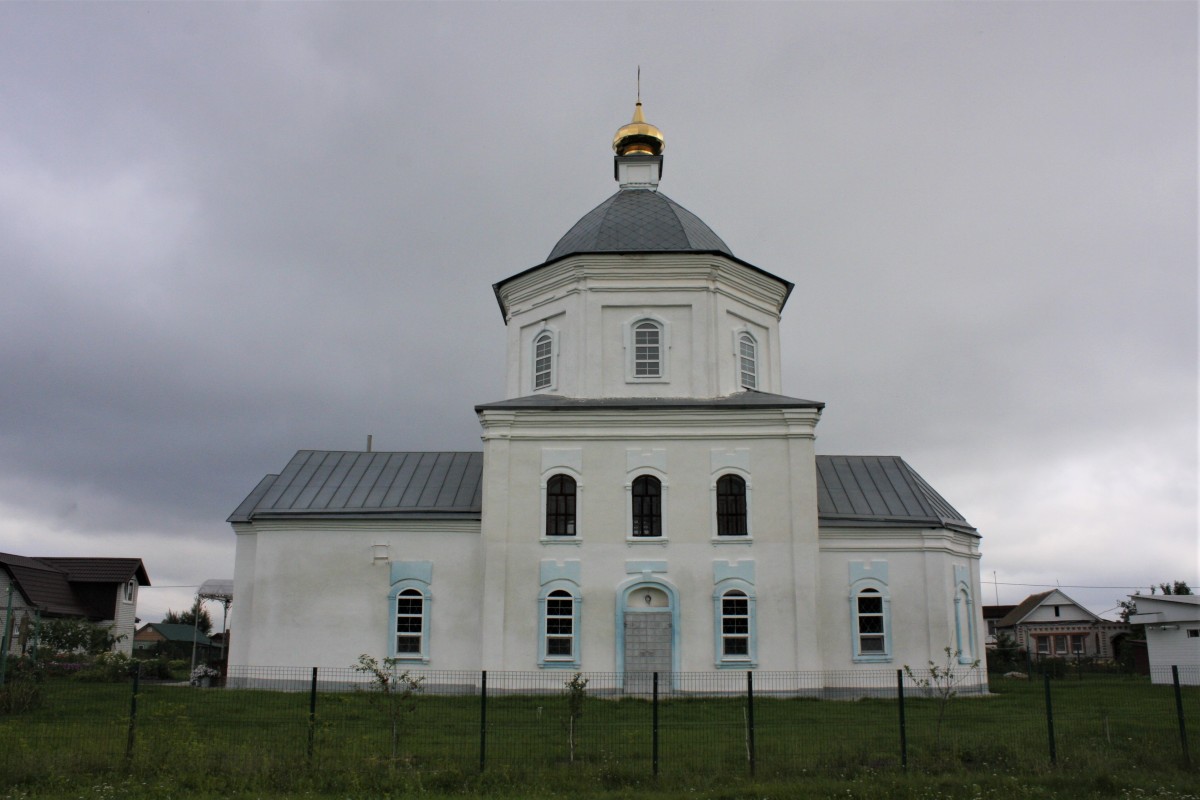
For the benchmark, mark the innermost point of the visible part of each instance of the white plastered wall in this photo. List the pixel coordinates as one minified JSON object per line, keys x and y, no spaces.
{"x":783,"y":521}
{"x":313,"y":594}
{"x":590,"y":300}
{"x":921,"y":589}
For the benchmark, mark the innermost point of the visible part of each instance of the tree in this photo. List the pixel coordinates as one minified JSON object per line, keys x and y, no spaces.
{"x":393,"y":693}
{"x":942,"y":682}
{"x":189,"y":618}
{"x":1128,"y":606}
{"x":576,"y":692}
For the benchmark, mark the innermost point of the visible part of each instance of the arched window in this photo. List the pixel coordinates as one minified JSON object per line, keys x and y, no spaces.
{"x":731,"y":506}
{"x":560,"y":506}
{"x":647,"y":350}
{"x":647,"y":506}
{"x":747,"y":361}
{"x":543,"y":361}
{"x":560,"y":626}
{"x":735,"y":625}
{"x":410,"y":623}
{"x":870,"y":624}
{"x":130,"y":590}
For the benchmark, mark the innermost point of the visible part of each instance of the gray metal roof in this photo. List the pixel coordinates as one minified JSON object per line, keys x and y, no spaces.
{"x":318,"y":483}
{"x":638,"y":220}
{"x":748,"y":399}
{"x":869,"y":491}
{"x":852,"y":491}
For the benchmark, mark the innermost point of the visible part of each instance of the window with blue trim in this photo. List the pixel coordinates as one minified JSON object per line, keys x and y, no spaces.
{"x":558,"y":626}
{"x":409,"y":604}
{"x":871,"y":624}
{"x":410,"y":624}
{"x":964,"y":625}
{"x":734,"y":643}
{"x":735,"y":624}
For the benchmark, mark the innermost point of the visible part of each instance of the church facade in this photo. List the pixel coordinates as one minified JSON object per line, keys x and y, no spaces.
{"x":646,"y":499}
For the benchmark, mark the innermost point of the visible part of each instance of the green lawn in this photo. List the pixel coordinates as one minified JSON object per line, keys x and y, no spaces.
{"x":1112,"y":734}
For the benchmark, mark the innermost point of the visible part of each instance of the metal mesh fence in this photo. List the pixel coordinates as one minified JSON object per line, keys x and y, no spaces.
{"x":622,"y":725}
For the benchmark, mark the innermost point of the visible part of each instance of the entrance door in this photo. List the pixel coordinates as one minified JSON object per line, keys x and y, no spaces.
{"x":648,"y":637}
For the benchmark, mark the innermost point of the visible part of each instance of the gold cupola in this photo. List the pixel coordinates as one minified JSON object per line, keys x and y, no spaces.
{"x":638,"y":138}
{"x":638,"y":146}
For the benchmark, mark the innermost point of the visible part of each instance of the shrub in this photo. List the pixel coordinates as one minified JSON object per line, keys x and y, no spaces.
{"x":1054,"y":667}
{"x":107,"y":667}
{"x":156,"y":668}
{"x":77,"y":636}
{"x":22,"y":689}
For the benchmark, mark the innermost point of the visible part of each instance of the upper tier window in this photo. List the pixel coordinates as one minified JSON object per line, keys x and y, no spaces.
{"x":543,"y":361}
{"x":747,"y":361}
{"x":647,"y":350}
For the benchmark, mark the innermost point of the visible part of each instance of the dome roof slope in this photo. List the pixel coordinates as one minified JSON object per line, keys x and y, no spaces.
{"x":638,"y":220}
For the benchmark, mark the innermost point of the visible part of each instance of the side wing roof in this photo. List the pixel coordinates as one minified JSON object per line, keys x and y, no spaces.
{"x":852,"y":491}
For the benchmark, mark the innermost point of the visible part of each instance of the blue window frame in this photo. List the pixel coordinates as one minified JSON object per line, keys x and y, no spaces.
{"x":870,"y":611}
{"x":558,"y":625}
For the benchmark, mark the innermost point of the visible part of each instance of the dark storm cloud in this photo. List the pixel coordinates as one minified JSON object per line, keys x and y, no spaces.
{"x":231,"y":231}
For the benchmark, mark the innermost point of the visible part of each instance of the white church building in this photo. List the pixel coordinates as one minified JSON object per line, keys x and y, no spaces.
{"x":646,"y":499}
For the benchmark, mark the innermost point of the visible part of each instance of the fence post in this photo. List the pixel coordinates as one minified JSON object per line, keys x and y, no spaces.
{"x":312,"y":714}
{"x":654,"y":729}
{"x":750,"y":718}
{"x":137,"y":673}
{"x":7,"y":635}
{"x":1050,"y":719}
{"x":903,"y":724}
{"x":1187,"y":756}
{"x":37,"y":632}
{"x":482,"y":720}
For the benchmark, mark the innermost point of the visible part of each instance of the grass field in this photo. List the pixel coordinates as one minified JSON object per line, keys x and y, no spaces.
{"x":1115,"y":737}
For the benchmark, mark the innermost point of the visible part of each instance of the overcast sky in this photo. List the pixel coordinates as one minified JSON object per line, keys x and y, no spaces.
{"x":232,"y":231}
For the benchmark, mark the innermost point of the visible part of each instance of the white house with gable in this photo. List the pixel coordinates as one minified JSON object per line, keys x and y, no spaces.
{"x":646,"y":498}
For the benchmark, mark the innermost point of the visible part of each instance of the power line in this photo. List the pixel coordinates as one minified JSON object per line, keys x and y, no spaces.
{"x":1061,"y":586}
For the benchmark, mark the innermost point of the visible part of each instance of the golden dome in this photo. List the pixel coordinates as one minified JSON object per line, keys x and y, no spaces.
{"x":638,"y":138}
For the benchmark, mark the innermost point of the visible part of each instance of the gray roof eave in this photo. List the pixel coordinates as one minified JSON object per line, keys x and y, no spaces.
{"x":853,"y":521}
{"x":364,"y":514}
{"x":496,"y":287}
{"x":741,"y":400}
